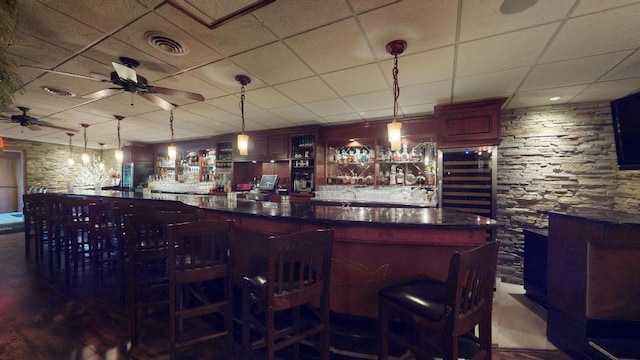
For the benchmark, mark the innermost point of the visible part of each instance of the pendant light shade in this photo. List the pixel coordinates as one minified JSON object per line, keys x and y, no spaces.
{"x":172,"y":151}
{"x":243,"y":139}
{"x":119,"y":154}
{"x":70,"y":160}
{"x":85,"y":154}
{"x":395,"y":48}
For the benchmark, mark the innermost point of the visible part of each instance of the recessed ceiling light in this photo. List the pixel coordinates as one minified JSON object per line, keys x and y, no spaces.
{"x":57,"y":91}
{"x":555,"y":98}
{"x":510,"y":7}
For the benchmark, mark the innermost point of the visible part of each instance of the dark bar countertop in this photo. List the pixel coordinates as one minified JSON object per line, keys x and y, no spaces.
{"x":597,"y":215}
{"x":318,"y":213}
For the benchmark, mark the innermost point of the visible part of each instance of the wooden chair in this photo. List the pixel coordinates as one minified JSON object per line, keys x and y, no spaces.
{"x":200,"y":282}
{"x":106,"y":254}
{"x":298,"y":273}
{"x":439,"y":318}
{"x":146,"y":256}
{"x":76,"y":227}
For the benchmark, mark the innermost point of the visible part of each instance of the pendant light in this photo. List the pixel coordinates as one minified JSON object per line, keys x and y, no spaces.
{"x":395,"y":48}
{"x":85,"y":154}
{"x":172,"y":151}
{"x":70,"y":160}
{"x":119,"y":153}
{"x":101,"y":165}
{"x":243,"y":139}
{"x":1,"y":143}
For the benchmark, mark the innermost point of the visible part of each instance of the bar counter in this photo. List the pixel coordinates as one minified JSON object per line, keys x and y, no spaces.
{"x":374,"y":247}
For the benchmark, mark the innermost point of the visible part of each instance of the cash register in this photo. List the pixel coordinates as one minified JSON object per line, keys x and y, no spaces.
{"x":266,"y":188}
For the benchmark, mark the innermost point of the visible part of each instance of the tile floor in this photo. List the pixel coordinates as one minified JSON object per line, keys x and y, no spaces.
{"x":41,"y":318}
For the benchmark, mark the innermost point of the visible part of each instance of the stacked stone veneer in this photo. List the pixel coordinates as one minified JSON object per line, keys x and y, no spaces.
{"x":553,"y":158}
{"x":46,"y":164}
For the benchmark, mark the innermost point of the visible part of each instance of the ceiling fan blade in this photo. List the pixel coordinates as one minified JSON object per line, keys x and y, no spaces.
{"x":66,"y":73}
{"x":50,"y":125}
{"x":103,"y":93}
{"x":34,"y":127}
{"x":125,"y":73}
{"x":173,"y":92}
{"x":158,"y":101}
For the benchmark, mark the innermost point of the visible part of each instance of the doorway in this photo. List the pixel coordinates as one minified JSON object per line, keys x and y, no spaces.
{"x":11,"y":181}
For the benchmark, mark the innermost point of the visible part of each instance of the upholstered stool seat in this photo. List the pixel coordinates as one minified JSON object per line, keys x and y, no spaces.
{"x":424,"y":296}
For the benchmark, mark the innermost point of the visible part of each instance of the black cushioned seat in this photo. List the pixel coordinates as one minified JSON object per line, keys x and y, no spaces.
{"x":424,"y":296}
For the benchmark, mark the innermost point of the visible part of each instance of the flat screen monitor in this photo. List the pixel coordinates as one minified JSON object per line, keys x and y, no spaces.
{"x":268,"y":183}
{"x":626,"y":128}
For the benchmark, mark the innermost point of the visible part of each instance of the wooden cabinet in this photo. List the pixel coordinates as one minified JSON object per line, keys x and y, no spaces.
{"x":469,"y":124}
{"x":278,"y":147}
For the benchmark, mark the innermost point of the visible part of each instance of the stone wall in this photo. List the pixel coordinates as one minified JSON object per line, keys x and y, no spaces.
{"x":46,"y":165}
{"x":556,"y":157}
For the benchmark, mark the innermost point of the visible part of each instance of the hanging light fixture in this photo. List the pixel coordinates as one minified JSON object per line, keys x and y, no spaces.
{"x":243,"y":139}
{"x":119,"y":153}
{"x":172,"y":151}
{"x":85,"y":154}
{"x":395,"y":48}
{"x":101,"y":165}
{"x":70,"y":160}
{"x":1,"y":143}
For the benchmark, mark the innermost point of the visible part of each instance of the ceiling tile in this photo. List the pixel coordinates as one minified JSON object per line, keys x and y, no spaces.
{"x":438,"y":92}
{"x":483,"y":18}
{"x":329,"y":107}
{"x":571,"y":72}
{"x":488,"y":85}
{"x":591,"y":6}
{"x":294,"y":113}
{"x":370,"y":101}
{"x":628,"y":68}
{"x":424,"y":25}
{"x":579,"y":37}
{"x":541,"y":97}
{"x":333,"y":47}
{"x":38,"y":51}
{"x":356,"y":80}
{"x":104,"y":15}
{"x":306,"y":90}
{"x":496,"y":53}
{"x":273,"y":63}
{"x":609,"y":90}
{"x":267,"y":98}
{"x":198,"y":54}
{"x":223,"y":73}
{"x":189,"y":83}
{"x":232,"y":38}
{"x":421,"y":68}
{"x":360,"y":6}
{"x":289,"y":17}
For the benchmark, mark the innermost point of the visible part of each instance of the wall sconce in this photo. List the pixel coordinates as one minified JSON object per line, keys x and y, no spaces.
{"x":85,"y":154}
{"x":172,"y":151}
{"x":395,"y":48}
{"x":119,"y":153}
{"x":70,"y":160}
{"x":243,"y":139}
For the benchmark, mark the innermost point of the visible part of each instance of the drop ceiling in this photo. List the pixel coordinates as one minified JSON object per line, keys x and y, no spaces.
{"x":314,"y":62}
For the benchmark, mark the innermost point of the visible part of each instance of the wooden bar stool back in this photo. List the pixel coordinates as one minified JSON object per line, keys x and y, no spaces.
{"x":298,"y":275}
{"x":200,"y":282}
{"x":147,"y":254}
{"x":430,"y":318}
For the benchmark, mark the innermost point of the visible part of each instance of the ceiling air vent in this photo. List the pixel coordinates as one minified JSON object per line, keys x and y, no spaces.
{"x":165,"y":44}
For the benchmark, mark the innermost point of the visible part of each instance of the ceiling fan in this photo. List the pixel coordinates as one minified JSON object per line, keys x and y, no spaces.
{"x":127,"y":80}
{"x":32,"y":123}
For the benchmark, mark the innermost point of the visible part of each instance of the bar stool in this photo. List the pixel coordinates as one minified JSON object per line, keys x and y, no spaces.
{"x":430,"y":318}
{"x":200,"y":282}
{"x":297,"y":275}
{"x":76,"y":226}
{"x":146,"y":256}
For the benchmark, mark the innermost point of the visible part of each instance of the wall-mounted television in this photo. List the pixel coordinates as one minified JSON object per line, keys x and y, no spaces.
{"x":626,"y":129}
{"x":268,"y":182}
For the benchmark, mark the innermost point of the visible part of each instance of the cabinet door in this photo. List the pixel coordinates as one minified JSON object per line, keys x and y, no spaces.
{"x":469,"y":124}
{"x":278,"y":147}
